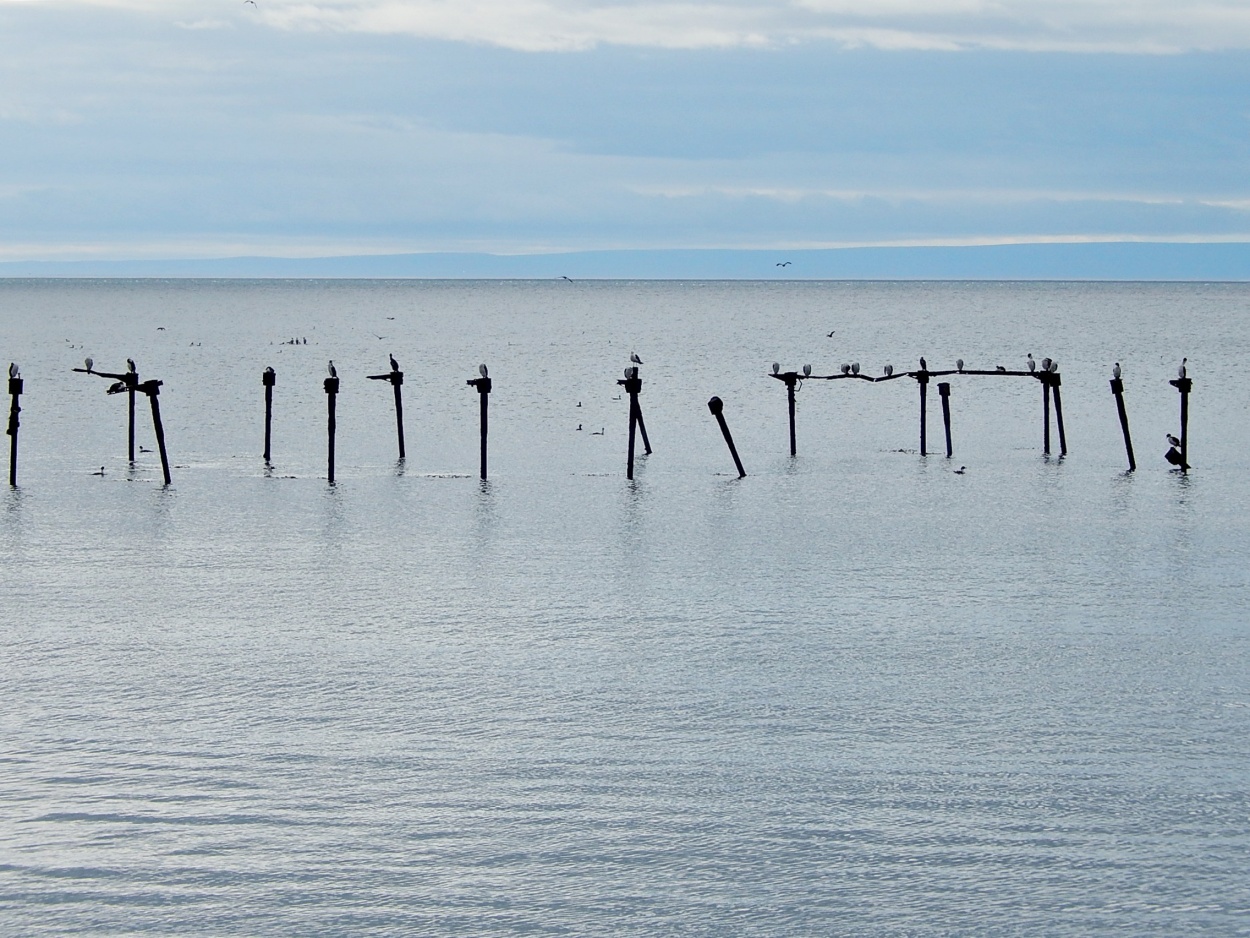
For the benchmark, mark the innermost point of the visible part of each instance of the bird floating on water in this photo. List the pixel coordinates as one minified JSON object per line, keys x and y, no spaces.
{"x":1031,"y":363}
{"x":598,"y":432}
{"x":959,"y":364}
{"x":99,"y":472}
{"x":961,"y":470}
{"x":1115,"y":371}
{"x":807,"y":371}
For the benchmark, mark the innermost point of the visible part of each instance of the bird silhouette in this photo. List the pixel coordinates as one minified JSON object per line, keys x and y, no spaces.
{"x":117,"y":387}
{"x":569,"y":279}
{"x":844,"y":368}
{"x":776,"y":367}
{"x":1183,"y":369}
{"x":959,"y":364}
{"x":1001,"y":368}
{"x":1054,"y":367}
{"x":889,"y":370}
{"x":99,"y":472}
{"x":394,"y":364}
{"x":854,"y":368}
{"x":1032,"y":364}
{"x":829,"y":335}
{"x":90,"y":363}
{"x":961,"y":470}
{"x":807,"y":371}
{"x":1115,"y":371}
{"x":598,"y":432}
{"x":481,"y":370}
{"x":130,"y":366}
{"x":1045,"y":364}
{"x":785,"y":264}
{"x":923,"y":365}
{"x":333,"y":372}
{"x":1173,"y":440}
{"x":14,"y":371}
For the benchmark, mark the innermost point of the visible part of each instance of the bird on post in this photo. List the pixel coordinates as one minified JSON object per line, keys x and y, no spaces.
{"x":394,"y":364}
{"x":14,"y":371}
{"x":90,"y":363}
{"x":854,"y":368}
{"x":116,"y":388}
{"x":1115,"y":371}
{"x":844,"y":368}
{"x":633,"y":357}
{"x":130,"y":366}
{"x":1182,"y":370}
{"x":331,"y":370}
{"x":776,"y":367}
{"x":1045,"y":364}
{"x":1173,"y":440}
{"x":269,"y":370}
{"x":1002,"y":368}
{"x":1032,"y":364}
{"x":959,"y":364}
{"x":481,"y":370}
{"x":889,"y":370}
{"x":1054,"y":368}
{"x":807,"y":371}
{"x":923,"y":365}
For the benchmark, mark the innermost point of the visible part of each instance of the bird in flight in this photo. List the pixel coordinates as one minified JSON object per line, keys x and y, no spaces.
{"x":375,"y":335}
{"x":569,"y":279}
{"x":830,"y":334}
{"x":394,"y":364}
{"x":785,"y":264}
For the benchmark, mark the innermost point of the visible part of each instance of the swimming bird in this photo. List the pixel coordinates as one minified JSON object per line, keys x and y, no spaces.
{"x":99,"y":473}
{"x":633,"y":357}
{"x":579,"y":426}
{"x":807,"y":370}
{"x":1045,"y":364}
{"x":776,"y":367}
{"x":90,"y":363}
{"x":481,"y":370}
{"x":961,"y":470}
{"x":14,"y":371}
{"x":1181,"y":371}
{"x":394,"y":364}
{"x":1032,"y":364}
{"x":130,"y":366}
{"x":1115,"y":371}
{"x":598,"y":432}
{"x":923,"y":366}
{"x":854,"y":368}
{"x":959,"y":364}
{"x":579,"y":403}
{"x":1173,"y":440}
{"x":333,"y":372}
{"x":144,"y":449}
{"x":889,"y":370}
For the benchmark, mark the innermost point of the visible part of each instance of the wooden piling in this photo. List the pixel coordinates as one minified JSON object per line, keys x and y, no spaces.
{"x":1117,"y":388}
{"x":483,"y":385}
{"x":132,"y":384}
{"x":1184,"y":385}
{"x":1045,"y":377}
{"x":268,"y":379}
{"x":15,"y":392}
{"x":153,"y":389}
{"x":922,"y":378}
{"x":633,"y":386}
{"x":944,"y":391}
{"x":1055,"y":381}
{"x":397,"y":380}
{"x":642,"y":428}
{"x":717,"y":406}
{"x":332,"y":390}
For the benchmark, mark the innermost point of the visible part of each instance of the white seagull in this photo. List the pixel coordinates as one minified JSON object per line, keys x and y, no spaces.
{"x":633,"y":357}
{"x":1031,"y":363}
{"x":481,"y":370}
{"x":90,"y":363}
{"x":776,"y":367}
{"x":807,"y":370}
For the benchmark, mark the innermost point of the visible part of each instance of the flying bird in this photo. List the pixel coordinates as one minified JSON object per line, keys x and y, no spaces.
{"x":785,"y":264}
{"x":1115,"y":372}
{"x":1032,"y":364}
{"x":776,"y":367}
{"x":633,"y":357}
{"x":1181,"y":371}
{"x":394,"y":364}
{"x":959,"y":364}
{"x":807,"y":370}
{"x":1173,"y":440}
{"x":334,"y":373}
{"x":481,"y":370}
{"x":829,"y":335}
{"x":130,"y":366}
{"x":569,"y":279}
{"x":90,"y":363}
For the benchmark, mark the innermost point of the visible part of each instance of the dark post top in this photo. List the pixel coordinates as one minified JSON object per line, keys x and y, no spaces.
{"x":921,"y":376}
{"x":483,"y":385}
{"x":716,"y":405}
{"x":1117,"y":386}
{"x":332,"y":385}
{"x":944,"y":388}
{"x":15,"y":386}
{"x":1184,"y":385}
{"x":150,"y":388}
{"x":631,"y":385}
{"x":394,"y":377}
{"x":791,"y":378}
{"x":268,"y":379}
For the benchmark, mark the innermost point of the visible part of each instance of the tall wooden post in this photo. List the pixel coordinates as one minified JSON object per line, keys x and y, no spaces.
{"x":152,"y":390}
{"x":268,"y":379}
{"x":15,"y":391}
{"x":397,"y":380}
{"x":922,"y":377}
{"x":1117,"y":388}
{"x":633,"y":387}
{"x":1055,"y":381}
{"x":1046,"y":413}
{"x":717,"y":407}
{"x":1184,"y":385}
{"x":132,"y":385}
{"x":944,"y":391}
{"x":483,"y":385}
{"x":332,"y":391}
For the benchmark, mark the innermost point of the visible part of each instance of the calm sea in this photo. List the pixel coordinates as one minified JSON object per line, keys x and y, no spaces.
{"x":855,"y":693}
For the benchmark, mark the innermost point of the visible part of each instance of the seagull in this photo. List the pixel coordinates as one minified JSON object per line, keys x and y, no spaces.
{"x":807,"y":371}
{"x":959,"y":364}
{"x":633,"y":357}
{"x":889,"y":370}
{"x":376,"y":336}
{"x":854,"y":368}
{"x":1173,"y":440}
{"x":786,"y":264}
{"x":394,"y":364}
{"x":1115,"y":372}
{"x":1032,"y":364}
{"x":1180,"y":372}
{"x":90,"y":363}
{"x":14,"y":371}
{"x":844,"y":368}
{"x":923,"y":366}
{"x":830,"y":335}
{"x":130,"y":366}
{"x":776,"y":367}
{"x":1045,"y":364}
{"x":481,"y":370}
{"x":569,"y":279}
{"x":1054,"y":367}
{"x":331,"y":369}
{"x":252,"y":2}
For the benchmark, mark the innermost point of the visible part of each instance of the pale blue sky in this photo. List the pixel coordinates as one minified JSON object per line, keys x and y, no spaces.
{"x":138,"y":129}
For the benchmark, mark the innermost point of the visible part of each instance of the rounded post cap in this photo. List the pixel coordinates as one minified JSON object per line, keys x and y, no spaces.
{"x":716,"y":405}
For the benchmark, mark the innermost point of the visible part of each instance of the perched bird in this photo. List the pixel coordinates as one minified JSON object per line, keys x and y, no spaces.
{"x":130,"y":366}
{"x":776,"y":367}
{"x":1045,"y":364}
{"x":394,"y":364}
{"x":333,"y":372}
{"x":117,"y":387}
{"x":1032,"y":364}
{"x":1115,"y":371}
{"x":1180,"y":372}
{"x":1000,"y":368}
{"x":1054,"y":367}
{"x":923,"y":365}
{"x":14,"y":371}
{"x":844,"y":368}
{"x":854,"y":368}
{"x":633,"y":357}
{"x":1173,"y":440}
{"x":959,"y":364}
{"x":269,"y":370}
{"x":90,"y":363}
{"x":807,"y":370}
{"x":889,"y":370}
{"x":481,"y":370}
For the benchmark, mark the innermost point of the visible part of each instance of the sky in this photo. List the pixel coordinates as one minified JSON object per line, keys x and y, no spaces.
{"x":300,"y":128}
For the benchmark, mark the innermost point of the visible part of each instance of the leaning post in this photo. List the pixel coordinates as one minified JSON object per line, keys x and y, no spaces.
{"x":717,"y":407}
{"x":944,"y":391}
{"x":1117,"y":388}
